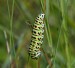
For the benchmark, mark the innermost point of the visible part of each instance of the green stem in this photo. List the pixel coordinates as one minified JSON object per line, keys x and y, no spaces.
{"x":11,"y":24}
{"x":64,"y":12}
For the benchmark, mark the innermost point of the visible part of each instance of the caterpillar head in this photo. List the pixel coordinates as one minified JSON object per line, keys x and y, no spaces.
{"x":40,"y":17}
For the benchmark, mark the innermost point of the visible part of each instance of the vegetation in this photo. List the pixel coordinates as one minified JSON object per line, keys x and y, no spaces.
{"x":16,"y":20}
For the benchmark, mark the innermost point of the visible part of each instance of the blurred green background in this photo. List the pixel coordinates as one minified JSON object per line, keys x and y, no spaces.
{"x":16,"y":20}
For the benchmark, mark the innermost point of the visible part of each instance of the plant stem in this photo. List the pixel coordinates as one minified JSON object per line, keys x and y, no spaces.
{"x":63,"y":4}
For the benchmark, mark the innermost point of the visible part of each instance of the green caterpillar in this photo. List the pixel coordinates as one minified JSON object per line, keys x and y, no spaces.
{"x":37,"y":37}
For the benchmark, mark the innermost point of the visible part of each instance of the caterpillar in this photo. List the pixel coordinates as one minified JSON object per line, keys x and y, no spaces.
{"x":37,"y":37}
